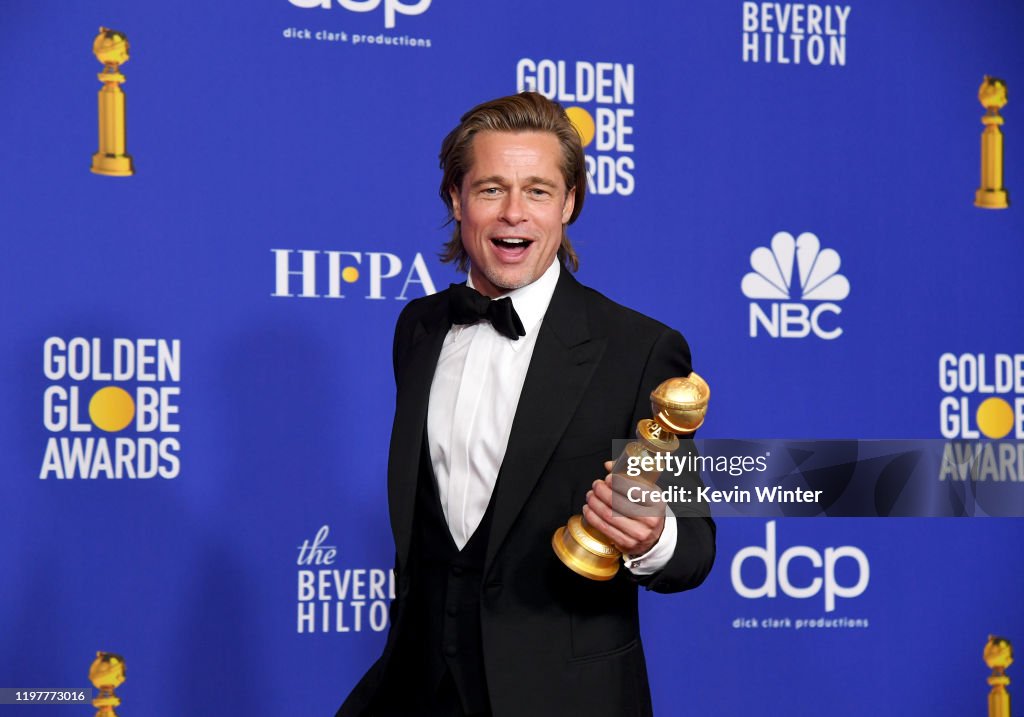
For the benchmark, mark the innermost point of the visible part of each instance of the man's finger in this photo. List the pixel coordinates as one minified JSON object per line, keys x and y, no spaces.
{"x":625,"y":543}
{"x":618,"y":504}
{"x":633,"y":497}
{"x":637,"y":529}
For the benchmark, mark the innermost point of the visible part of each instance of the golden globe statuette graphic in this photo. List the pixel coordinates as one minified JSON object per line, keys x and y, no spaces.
{"x":106,"y":674}
{"x":112,"y":159}
{"x":998,"y":656}
{"x":679,"y":406}
{"x":992,"y":194}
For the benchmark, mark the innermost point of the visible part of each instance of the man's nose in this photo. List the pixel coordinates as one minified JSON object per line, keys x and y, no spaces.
{"x":513,"y":210}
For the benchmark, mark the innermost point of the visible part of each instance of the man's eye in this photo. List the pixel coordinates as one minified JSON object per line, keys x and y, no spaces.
{"x":490,"y":191}
{"x":539,"y":192}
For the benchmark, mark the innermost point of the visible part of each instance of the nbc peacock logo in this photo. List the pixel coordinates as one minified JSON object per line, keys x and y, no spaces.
{"x":802,"y":283}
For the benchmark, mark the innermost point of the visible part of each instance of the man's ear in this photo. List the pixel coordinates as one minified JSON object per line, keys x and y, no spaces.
{"x":570,"y":204}
{"x":456,"y":203}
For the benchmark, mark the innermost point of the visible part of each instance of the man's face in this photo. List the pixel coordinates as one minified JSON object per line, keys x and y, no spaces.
{"x":512,"y":206}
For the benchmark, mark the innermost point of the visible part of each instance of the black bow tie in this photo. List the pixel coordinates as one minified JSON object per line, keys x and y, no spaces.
{"x":467,"y":306}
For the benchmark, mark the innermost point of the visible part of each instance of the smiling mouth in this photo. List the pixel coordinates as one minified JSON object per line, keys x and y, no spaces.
{"x":511,"y":243}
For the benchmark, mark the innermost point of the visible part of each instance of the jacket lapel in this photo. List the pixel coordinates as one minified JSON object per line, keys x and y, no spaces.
{"x":563,"y":362}
{"x":416,"y":373}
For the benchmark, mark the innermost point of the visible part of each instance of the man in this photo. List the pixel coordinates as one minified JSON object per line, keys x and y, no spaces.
{"x":505,"y":412}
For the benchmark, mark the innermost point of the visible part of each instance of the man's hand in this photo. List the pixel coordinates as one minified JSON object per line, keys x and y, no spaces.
{"x":629,"y":524}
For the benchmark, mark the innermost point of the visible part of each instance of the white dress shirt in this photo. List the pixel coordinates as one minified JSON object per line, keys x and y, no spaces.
{"x":473,"y":399}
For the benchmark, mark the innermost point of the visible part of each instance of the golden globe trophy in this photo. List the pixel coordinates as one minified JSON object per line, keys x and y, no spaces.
{"x":992,"y":194}
{"x":106,"y":674}
{"x":998,"y":656}
{"x":112,"y":159}
{"x":679,"y":406}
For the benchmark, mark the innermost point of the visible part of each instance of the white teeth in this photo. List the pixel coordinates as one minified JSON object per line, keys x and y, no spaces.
{"x":511,"y":240}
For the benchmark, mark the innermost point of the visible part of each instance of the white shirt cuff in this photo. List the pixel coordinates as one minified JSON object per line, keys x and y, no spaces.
{"x":657,"y":557}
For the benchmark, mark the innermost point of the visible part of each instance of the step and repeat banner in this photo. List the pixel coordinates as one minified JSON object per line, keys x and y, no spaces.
{"x":196,"y":372}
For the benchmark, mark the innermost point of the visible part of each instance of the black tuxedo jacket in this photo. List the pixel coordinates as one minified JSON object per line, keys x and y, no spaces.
{"x":554,"y":643}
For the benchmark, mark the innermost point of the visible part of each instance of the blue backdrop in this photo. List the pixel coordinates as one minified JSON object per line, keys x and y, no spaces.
{"x":241,"y":289}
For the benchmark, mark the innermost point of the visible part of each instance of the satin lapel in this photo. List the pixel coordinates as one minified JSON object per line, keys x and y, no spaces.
{"x":416,"y":375}
{"x":563,"y":362}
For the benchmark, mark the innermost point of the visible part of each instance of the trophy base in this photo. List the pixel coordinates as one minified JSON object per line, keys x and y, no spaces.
{"x":992,"y":199}
{"x":583,"y":552}
{"x":112,"y":165}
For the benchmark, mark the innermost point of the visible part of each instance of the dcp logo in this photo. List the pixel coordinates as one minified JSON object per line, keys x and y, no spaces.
{"x":777,"y":571}
{"x":391,"y":7}
{"x":817,"y":279}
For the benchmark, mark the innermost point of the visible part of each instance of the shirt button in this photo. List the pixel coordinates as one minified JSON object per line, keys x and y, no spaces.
{"x":450,"y":651}
{"x":451,"y":611}
{"x":456,"y":570}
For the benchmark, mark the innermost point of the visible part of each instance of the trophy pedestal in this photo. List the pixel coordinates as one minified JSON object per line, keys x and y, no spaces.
{"x":585,"y":551}
{"x":991,"y":199}
{"x":112,"y":165}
